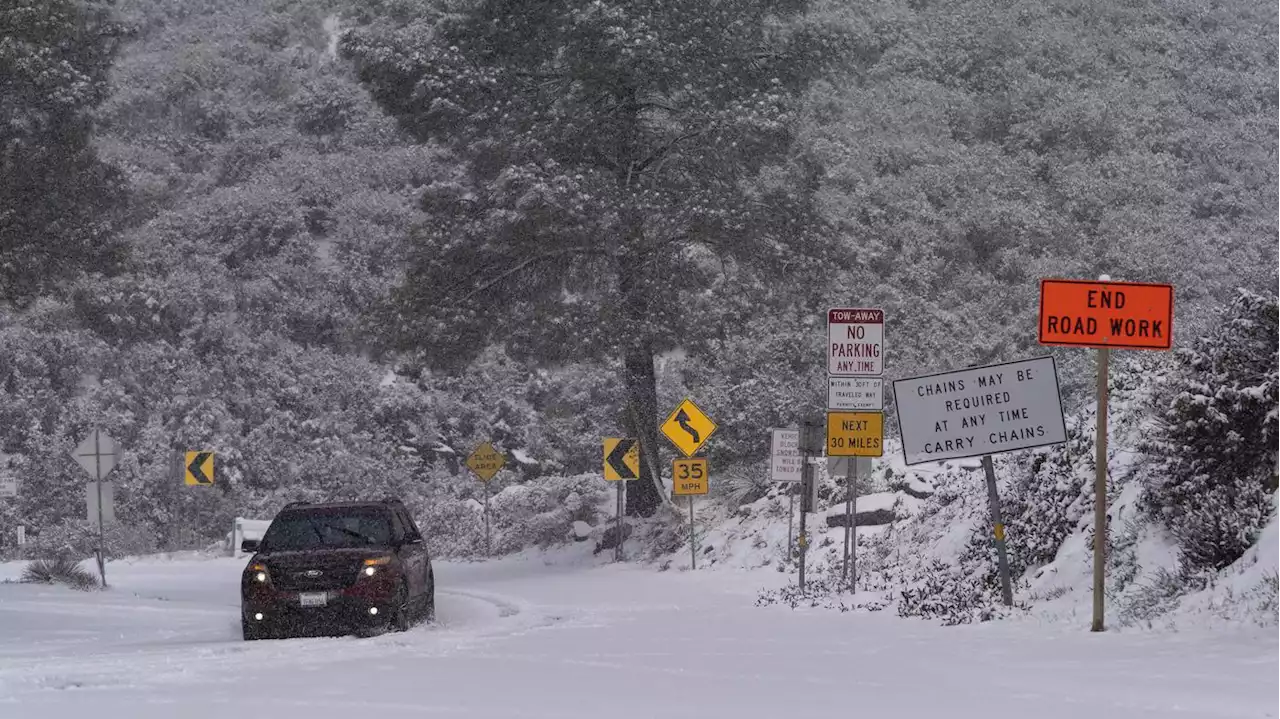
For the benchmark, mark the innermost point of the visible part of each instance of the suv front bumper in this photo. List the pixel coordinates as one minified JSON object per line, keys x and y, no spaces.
{"x":364,"y":604}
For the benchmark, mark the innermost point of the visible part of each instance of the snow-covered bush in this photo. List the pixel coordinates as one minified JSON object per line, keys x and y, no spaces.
{"x":1045,"y":501}
{"x":60,"y":570}
{"x":1157,"y":595}
{"x":76,"y":539}
{"x":743,"y":485}
{"x":959,"y":592}
{"x":453,"y":528}
{"x":542,"y":512}
{"x":1214,"y":467}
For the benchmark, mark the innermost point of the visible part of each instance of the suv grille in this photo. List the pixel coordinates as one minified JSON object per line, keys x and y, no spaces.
{"x":307,"y":577}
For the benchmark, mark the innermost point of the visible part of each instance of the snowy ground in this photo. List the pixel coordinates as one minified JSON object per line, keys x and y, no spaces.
{"x":527,"y":637}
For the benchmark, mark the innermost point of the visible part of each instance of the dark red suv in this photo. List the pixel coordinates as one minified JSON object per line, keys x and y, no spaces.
{"x":337,"y":567}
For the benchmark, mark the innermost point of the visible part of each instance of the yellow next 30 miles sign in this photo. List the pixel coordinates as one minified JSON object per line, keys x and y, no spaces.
{"x":855,"y":434}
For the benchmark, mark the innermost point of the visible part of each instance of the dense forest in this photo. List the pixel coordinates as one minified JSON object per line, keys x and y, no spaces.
{"x":342,"y":243}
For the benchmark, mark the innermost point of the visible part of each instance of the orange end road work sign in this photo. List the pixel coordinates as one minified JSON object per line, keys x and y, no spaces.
{"x":1120,"y":315}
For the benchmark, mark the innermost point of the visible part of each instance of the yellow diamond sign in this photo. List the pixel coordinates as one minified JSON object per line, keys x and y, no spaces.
{"x":688,"y":428}
{"x":486,"y":461}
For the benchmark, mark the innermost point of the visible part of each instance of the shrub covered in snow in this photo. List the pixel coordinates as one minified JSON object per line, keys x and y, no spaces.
{"x":542,"y":512}
{"x":75,"y":539}
{"x":1046,"y":499}
{"x":1214,"y":461}
{"x":61,"y":570}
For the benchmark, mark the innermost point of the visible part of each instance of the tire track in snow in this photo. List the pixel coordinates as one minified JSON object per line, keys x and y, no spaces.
{"x":141,"y":654}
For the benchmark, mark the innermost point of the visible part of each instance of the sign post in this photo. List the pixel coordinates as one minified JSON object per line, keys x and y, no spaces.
{"x":852,"y":468}
{"x":855,"y":408}
{"x":982,"y":411}
{"x":97,"y":455}
{"x":690,"y":477}
{"x":621,"y":465}
{"x":997,"y":520}
{"x":786,"y":465}
{"x":689,"y":428}
{"x":1104,"y":315}
{"x":810,"y":445}
{"x":485,"y":462}
{"x":1100,"y":528}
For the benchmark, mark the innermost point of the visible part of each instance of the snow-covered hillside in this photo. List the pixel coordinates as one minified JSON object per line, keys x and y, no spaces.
{"x":923,"y":547}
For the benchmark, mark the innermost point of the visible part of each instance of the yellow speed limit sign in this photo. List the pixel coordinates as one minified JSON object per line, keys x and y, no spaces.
{"x":690,"y":476}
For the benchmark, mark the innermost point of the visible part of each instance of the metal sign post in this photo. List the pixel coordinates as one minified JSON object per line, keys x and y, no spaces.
{"x":997,"y":521}
{"x":862,"y":469}
{"x":850,"y":488}
{"x":693,"y":538}
{"x":803,"y":540}
{"x":690,"y":477}
{"x":97,"y":455}
{"x":791,"y":525}
{"x":621,"y":465}
{"x":852,"y":468}
{"x":1100,"y":495}
{"x":811,"y":438}
{"x":485,"y":462}
{"x":1104,"y":315}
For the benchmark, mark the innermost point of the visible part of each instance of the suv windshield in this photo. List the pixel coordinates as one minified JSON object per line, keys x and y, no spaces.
{"x":327,"y":528}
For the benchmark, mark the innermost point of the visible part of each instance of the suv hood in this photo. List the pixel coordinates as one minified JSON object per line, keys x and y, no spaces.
{"x":312,"y":557}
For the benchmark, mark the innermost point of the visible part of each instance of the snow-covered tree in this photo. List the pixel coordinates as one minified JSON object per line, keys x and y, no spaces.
{"x":59,"y":204}
{"x":1215,"y":473}
{"x":622,"y":161}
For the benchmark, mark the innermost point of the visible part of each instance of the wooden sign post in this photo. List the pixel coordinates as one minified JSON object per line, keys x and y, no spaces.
{"x":1104,"y":315}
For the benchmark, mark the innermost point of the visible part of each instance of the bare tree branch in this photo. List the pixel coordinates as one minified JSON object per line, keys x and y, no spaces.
{"x":525,"y":263}
{"x":662,"y":152}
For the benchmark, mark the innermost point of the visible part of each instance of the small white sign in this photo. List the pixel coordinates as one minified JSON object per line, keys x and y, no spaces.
{"x":855,"y":394}
{"x":22,"y":535}
{"x":108,"y":502}
{"x":785,"y":464}
{"x":841,"y":466}
{"x":8,"y":487}
{"x":855,"y":342}
{"x":980,"y":410}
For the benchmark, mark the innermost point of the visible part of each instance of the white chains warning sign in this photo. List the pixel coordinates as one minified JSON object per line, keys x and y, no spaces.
{"x":980,"y":410}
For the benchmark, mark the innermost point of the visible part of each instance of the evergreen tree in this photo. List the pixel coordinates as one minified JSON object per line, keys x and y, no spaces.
{"x":1216,"y":473}
{"x":58,"y":201}
{"x":623,"y":161}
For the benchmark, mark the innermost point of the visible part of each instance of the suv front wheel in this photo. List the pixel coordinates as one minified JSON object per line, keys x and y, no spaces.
{"x":401,"y":618}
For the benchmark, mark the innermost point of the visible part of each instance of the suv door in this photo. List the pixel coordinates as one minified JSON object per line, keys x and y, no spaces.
{"x":413,"y":551}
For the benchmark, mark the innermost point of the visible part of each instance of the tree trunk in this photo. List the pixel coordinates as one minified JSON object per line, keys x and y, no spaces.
{"x":645,"y":495}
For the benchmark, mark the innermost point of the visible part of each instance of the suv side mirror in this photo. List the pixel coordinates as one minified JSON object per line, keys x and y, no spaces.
{"x":412,"y":539}
{"x":249,"y":546}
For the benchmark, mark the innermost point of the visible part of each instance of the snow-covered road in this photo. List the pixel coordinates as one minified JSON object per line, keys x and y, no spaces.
{"x":523,"y":638}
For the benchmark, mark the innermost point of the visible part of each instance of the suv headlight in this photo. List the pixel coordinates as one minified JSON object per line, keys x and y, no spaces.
{"x":258,"y":572}
{"x":373,"y":565}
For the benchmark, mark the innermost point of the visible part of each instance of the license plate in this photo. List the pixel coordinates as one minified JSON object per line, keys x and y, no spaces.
{"x":313,"y":599}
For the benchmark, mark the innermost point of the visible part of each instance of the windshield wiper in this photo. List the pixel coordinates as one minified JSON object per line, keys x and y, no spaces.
{"x":353,"y":533}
